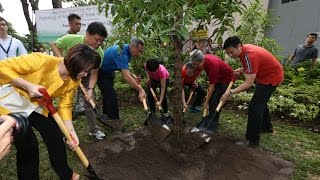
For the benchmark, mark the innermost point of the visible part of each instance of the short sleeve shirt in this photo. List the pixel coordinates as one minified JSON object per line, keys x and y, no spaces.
{"x":302,"y":53}
{"x":116,"y":58}
{"x":160,"y":73}
{"x":217,"y":70}
{"x":67,"y":41}
{"x":11,"y":47}
{"x":259,"y":61}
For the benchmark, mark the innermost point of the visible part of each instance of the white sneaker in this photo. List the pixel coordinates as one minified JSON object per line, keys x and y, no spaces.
{"x":99,"y":135}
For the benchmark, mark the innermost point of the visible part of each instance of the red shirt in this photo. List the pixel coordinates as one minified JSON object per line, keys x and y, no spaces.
{"x":217,"y":70}
{"x":259,"y":61}
{"x":188,"y":80}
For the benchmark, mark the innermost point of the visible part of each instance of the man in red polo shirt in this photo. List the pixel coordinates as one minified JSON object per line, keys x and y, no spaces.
{"x":263,"y":69}
{"x":189,"y":76}
{"x":219,"y":74}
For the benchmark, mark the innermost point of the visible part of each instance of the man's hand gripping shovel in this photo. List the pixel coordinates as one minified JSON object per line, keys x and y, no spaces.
{"x":46,"y":101}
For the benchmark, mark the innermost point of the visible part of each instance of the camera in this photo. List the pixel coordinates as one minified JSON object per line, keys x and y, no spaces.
{"x":21,"y":125}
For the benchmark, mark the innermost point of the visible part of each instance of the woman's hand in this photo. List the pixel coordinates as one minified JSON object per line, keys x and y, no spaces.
{"x":75,"y":140}
{"x":33,"y":90}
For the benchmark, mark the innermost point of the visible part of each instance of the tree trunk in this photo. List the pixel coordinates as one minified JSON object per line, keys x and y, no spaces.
{"x":177,"y":89}
{"x":25,"y":7}
{"x":56,"y":4}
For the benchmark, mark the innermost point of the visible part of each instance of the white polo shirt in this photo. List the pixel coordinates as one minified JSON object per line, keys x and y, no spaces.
{"x":11,"y":47}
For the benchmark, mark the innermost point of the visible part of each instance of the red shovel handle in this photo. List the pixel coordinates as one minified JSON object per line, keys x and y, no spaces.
{"x":46,"y":101}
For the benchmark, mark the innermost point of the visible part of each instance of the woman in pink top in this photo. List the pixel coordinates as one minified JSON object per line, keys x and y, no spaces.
{"x":157,"y":76}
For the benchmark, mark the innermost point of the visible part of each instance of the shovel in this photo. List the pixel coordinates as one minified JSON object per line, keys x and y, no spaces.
{"x":168,"y":120}
{"x":188,"y":101}
{"x":158,"y":129}
{"x":93,"y":105}
{"x":208,"y":124}
{"x":46,"y":101}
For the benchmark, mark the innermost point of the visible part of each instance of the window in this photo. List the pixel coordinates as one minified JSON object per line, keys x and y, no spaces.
{"x":286,"y":1}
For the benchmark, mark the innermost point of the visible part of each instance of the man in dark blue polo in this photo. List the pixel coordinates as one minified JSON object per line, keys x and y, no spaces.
{"x":115,"y":59}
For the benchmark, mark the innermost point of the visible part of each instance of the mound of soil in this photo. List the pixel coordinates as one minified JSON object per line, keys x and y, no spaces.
{"x":136,"y":155}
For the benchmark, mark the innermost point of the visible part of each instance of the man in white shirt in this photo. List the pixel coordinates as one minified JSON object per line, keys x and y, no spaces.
{"x":9,"y":46}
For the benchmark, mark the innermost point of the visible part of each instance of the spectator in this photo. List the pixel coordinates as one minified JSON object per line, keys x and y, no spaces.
{"x":157,"y":76}
{"x":74,"y":21}
{"x":74,"y":24}
{"x":113,"y":60}
{"x":95,"y":35}
{"x":306,"y":51}
{"x":189,"y":77}
{"x":263,"y":69}
{"x":21,"y":79}
{"x":9,"y":46}
{"x":219,"y":74}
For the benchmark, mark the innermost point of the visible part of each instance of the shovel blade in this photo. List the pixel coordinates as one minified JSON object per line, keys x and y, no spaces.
{"x":92,"y":174}
{"x":204,"y":123}
{"x":157,"y":128}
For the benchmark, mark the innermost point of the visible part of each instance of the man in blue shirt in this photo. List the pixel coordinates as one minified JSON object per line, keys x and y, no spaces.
{"x":115,"y":59}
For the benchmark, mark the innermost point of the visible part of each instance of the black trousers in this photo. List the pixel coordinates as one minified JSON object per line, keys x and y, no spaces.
{"x":258,"y":112}
{"x":200,"y":95}
{"x":109,"y":95}
{"x":155,"y":84}
{"x":219,"y":90}
{"x":28,"y":150}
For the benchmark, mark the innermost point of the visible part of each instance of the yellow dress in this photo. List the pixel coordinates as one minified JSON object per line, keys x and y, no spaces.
{"x":37,"y":68}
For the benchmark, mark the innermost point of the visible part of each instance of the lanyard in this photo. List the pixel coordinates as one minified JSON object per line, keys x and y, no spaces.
{"x":7,"y":51}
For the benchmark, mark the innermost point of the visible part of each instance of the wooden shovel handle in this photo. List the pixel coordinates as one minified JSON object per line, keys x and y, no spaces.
{"x":46,"y":101}
{"x":67,"y":134}
{"x":155,"y":98}
{"x":189,"y":99}
{"x":227,"y":90}
{"x":145,"y":106}
{"x":85,"y":92}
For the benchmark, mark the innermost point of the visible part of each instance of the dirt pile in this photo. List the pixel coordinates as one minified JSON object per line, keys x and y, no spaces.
{"x":137,"y":156}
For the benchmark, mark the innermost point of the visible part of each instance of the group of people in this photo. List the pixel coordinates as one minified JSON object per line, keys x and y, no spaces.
{"x":80,"y":59}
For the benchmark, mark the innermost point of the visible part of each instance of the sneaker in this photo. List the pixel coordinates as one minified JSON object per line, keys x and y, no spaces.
{"x":194,"y":109}
{"x":99,"y":135}
{"x":247,"y":143}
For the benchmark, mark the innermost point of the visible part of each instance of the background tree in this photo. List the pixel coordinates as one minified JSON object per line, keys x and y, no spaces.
{"x":167,"y":21}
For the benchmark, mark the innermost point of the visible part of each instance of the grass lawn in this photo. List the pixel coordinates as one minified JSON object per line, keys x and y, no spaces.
{"x":295,"y":144}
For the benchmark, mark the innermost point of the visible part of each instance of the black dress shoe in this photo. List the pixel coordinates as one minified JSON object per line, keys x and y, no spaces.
{"x":247,"y":143}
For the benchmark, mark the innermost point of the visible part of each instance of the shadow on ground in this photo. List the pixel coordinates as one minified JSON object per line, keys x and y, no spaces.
{"x":137,"y":156}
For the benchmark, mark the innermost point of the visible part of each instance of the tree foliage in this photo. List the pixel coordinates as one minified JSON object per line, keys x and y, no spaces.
{"x":169,"y":21}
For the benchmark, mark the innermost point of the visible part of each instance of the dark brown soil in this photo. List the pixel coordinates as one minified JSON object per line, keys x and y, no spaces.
{"x":137,"y":156}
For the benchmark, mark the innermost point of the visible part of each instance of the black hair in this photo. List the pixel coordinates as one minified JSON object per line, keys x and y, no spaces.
{"x":80,"y":57}
{"x":152,"y":65}
{"x":232,"y":41}
{"x":189,"y":65}
{"x":313,"y":34}
{"x":71,"y":17}
{"x":97,"y":28}
{"x":2,"y":19}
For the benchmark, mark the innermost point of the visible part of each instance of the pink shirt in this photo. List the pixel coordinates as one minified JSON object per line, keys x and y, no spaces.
{"x":160,"y":73}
